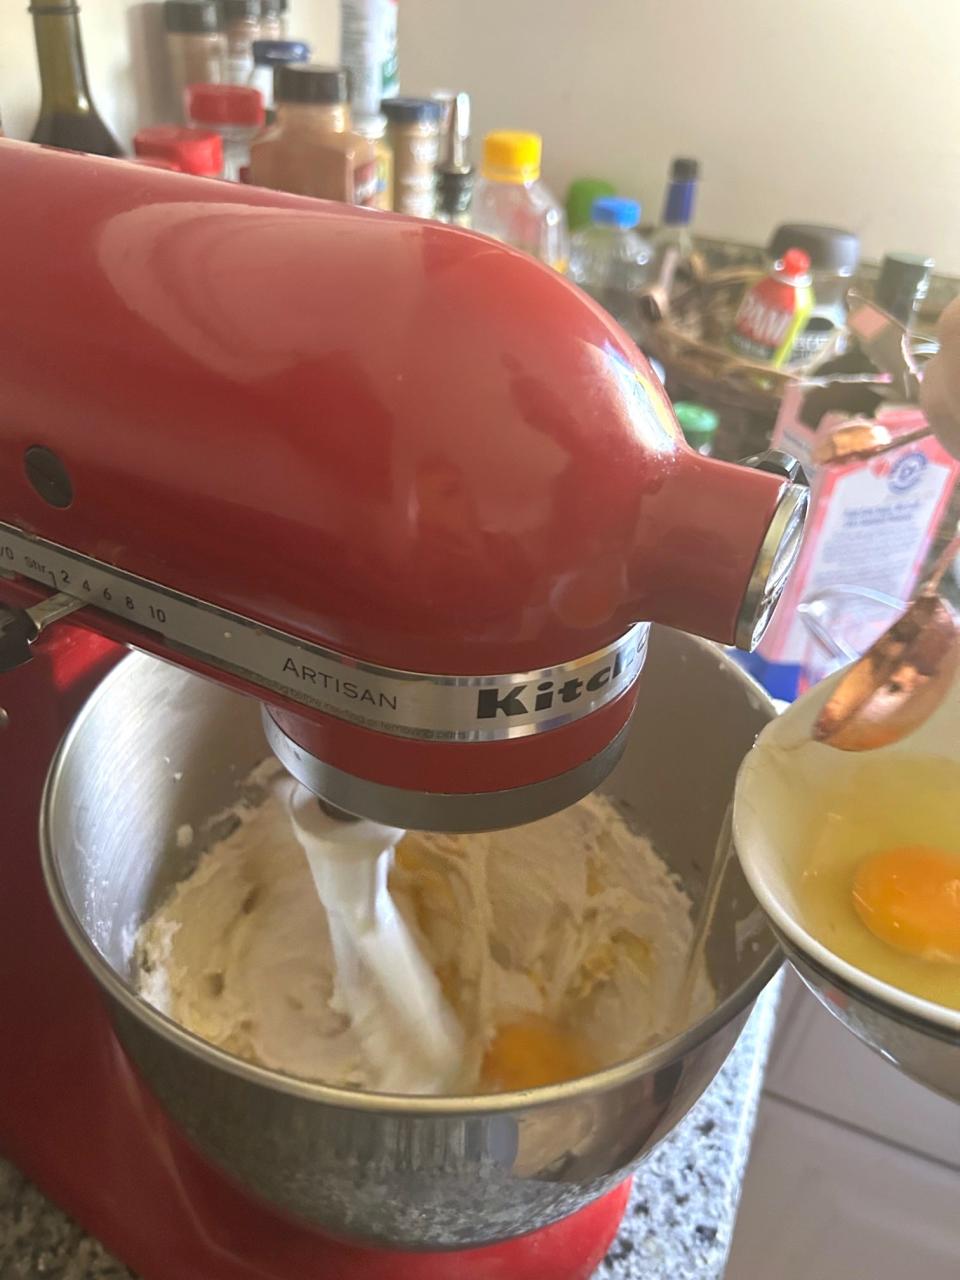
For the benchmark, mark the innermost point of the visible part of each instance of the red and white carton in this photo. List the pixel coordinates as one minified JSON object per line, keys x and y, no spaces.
{"x":870,"y":527}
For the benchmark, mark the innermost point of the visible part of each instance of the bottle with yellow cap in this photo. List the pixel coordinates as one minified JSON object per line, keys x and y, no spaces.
{"x":513,"y":205}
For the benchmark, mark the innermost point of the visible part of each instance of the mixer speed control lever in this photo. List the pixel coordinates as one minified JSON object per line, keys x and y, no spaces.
{"x":20,"y":627}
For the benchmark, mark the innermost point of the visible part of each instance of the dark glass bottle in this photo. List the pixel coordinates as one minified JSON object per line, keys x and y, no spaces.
{"x":903,"y":284}
{"x":68,"y":117}
{"x":900,"y":290}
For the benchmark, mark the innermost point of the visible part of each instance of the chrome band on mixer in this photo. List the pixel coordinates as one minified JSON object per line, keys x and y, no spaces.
{"x":407,"y":704}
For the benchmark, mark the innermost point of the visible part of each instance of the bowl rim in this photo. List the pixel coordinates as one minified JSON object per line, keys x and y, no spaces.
{"x":861,"y":996}
{"x":881,"y":994}
{"x":426,"y":1106}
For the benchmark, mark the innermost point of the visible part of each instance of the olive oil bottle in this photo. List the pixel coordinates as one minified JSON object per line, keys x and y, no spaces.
{"x":68,"y":117}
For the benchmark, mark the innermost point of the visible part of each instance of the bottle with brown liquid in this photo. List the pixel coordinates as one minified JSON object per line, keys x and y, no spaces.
{"x":311,"y":150}
{"x":68,"y":117}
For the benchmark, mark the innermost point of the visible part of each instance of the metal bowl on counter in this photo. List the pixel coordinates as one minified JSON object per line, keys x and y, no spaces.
{"x":779,"y":802}
{"x":156,"y":748}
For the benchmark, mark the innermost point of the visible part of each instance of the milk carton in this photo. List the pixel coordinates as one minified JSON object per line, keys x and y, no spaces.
{"x":870,"y":528}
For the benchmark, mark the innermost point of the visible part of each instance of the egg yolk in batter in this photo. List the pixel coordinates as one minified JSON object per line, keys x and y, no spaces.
{"x":532,"y":1052}
{"x":909,"y":897}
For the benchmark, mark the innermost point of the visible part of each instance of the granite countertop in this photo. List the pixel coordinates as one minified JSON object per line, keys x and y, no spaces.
{"x":678,"y":1226}
{"x":680,"y":1219}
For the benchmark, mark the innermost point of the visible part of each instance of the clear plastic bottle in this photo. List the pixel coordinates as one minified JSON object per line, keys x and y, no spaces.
{"x":610,"y":260}
{"x":675,"y":231}
{"x":513,"y":205}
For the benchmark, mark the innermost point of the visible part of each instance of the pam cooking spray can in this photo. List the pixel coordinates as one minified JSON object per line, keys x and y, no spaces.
{"x":774,"y":311}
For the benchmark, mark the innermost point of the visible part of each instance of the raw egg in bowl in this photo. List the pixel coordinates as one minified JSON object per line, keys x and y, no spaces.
{"x":855,"y":859}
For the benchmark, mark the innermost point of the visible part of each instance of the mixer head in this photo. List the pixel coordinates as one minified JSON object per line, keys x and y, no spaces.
{"x":540,"y":739}
{"x":406,"y":486}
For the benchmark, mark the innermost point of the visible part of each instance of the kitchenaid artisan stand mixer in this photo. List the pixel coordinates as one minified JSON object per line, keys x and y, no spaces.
{"x":359,"y":467}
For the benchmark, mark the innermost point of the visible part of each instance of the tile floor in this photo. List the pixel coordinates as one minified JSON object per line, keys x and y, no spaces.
{"x":855,"y":1170}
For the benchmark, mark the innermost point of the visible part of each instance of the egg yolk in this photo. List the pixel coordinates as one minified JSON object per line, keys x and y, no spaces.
{"x":910,"y":898}
{"x":533,"y":1052}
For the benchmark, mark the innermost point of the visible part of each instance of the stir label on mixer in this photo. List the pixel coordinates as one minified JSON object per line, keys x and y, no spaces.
{"x":442,"y":708}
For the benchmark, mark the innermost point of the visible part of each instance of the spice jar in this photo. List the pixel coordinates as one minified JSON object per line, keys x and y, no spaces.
{"x":273,"y":20}
{"x":374,"y":129}
{"x":413,"y":132}
{"x":197,"y":151}
{"x":241,"y":25}
{"x":235,"y":111}
{"x":267,"y":56}
{"x":311,"y":150}
{"x":195,"y":45}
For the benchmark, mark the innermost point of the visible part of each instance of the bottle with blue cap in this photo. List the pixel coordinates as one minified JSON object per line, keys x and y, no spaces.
{"x":610,"y":260}
{"x":676,"y":229}
{"x":269,"y":54}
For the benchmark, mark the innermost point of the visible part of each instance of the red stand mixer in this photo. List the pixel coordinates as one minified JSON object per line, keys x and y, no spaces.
{"x":404,"y":486}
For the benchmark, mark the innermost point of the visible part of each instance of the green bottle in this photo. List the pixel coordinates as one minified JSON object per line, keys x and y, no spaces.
{"x":580,"y":197}
{"x":698,"y":424}
{"x":68,"y":117}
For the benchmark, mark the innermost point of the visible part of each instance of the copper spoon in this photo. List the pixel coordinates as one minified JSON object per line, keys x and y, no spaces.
{"x":901,"y":679}
{"x":859,"y":440}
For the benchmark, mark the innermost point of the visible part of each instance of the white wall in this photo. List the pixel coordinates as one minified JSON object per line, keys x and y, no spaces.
{"x":843,"y":111}
{"x":832,"y":110}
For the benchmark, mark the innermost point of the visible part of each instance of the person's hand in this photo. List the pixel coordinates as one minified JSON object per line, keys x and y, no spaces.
{"x":940,"y":391}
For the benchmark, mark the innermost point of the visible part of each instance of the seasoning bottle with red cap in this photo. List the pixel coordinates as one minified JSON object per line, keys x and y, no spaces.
{"x":234,"y":111}
{"x":312,"y":150}
{"x":197,"y":151}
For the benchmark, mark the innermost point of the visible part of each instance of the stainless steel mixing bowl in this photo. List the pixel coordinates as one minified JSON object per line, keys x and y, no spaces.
{"x":156,"y":748}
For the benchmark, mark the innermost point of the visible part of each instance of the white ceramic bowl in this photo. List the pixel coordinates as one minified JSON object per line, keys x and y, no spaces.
{"x":773,"y":811}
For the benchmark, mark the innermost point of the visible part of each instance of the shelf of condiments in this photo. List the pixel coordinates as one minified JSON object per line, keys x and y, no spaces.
{"x":256,"y":109}
{"x":794,"y":319}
